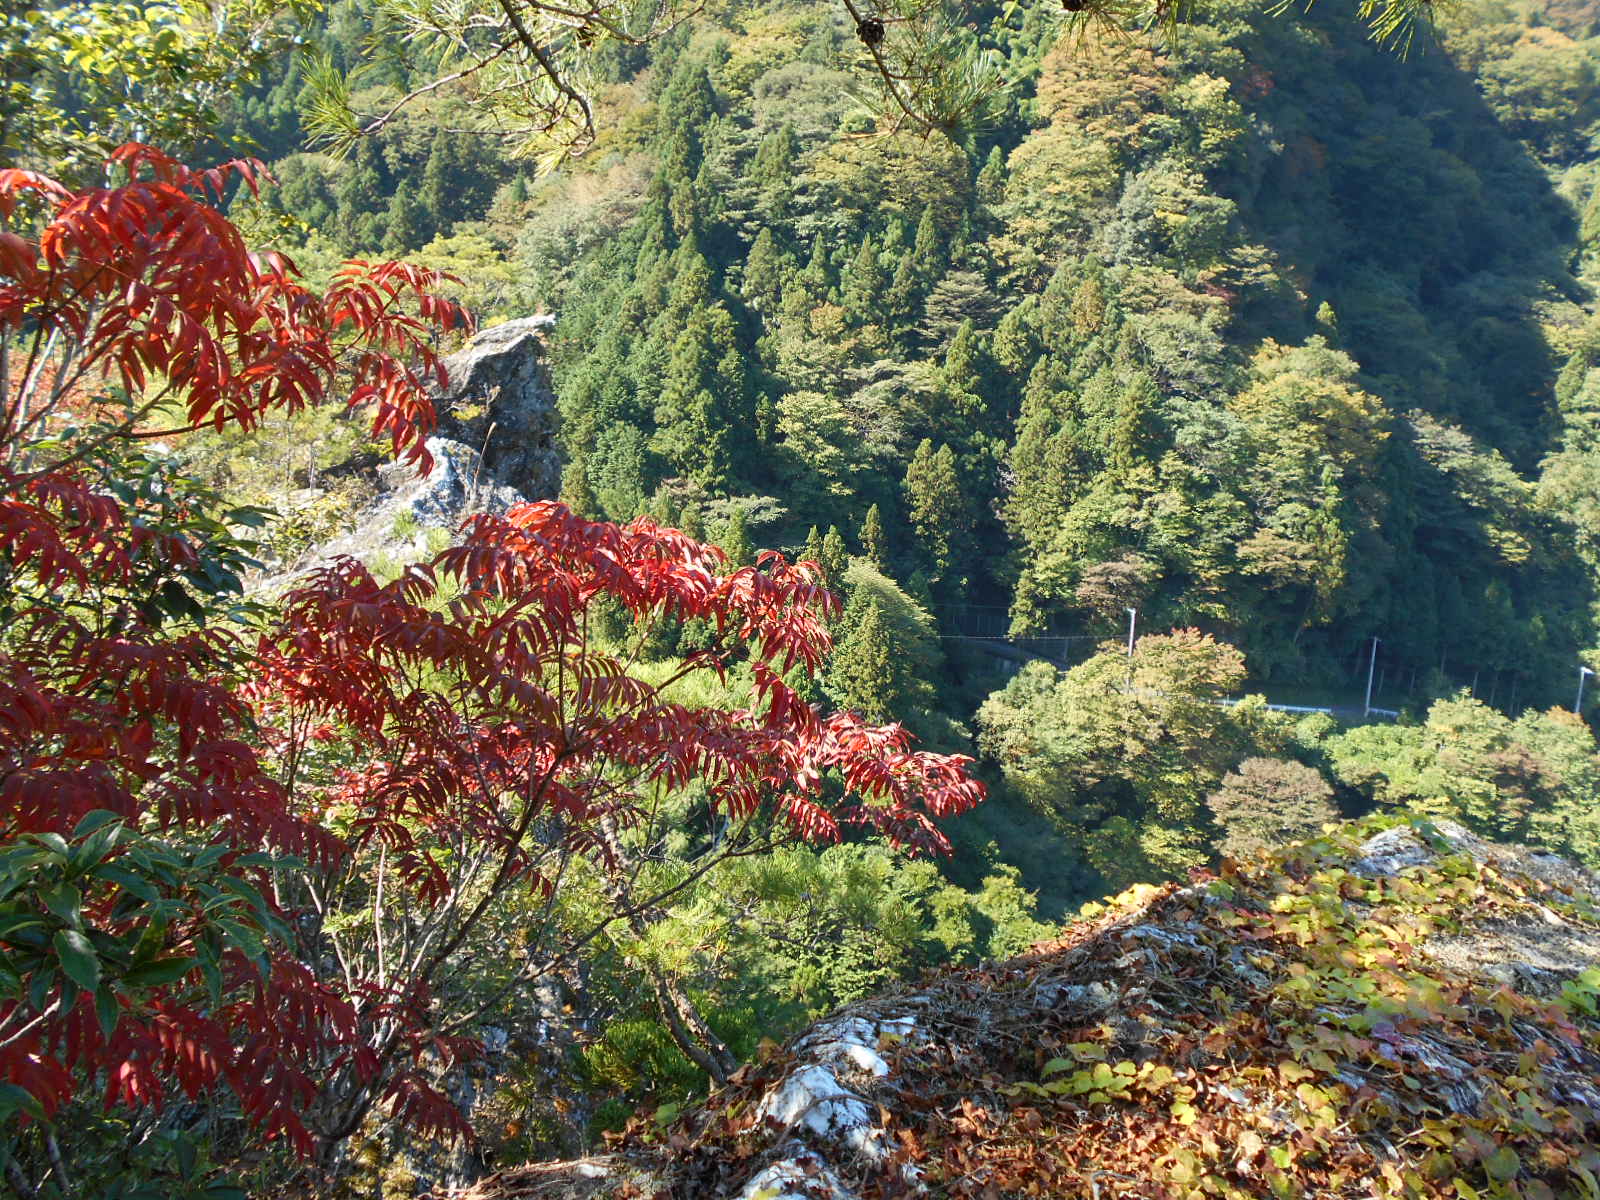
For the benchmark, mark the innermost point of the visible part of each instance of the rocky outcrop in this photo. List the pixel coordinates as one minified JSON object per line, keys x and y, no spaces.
{"x":1389,"y":1009}
{"x":494,"y":447}
{"x":413,"y":512}
{"x":499,"y":402}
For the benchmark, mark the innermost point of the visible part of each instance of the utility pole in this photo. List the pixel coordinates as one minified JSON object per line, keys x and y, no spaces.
{"x":1583,"y":673}
{"x":1133,"y":618}
{"x":1372,"y":665}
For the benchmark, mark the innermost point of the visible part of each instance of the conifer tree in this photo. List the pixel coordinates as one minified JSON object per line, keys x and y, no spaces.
{"x":873,"y":541}
{"x":735,"y":540}
{"x":440,"y":194}
{"x":860,"y":673}
{"x":1131,"y":434}
{"x":1043,"y":468}
{"x":818,"y":272}
{"x":963,"y":365}
{"x":992,"y":179}
{"x":774,"y":160}
{"x":576,"y":493}
{"x":404,"y":222}
{"x":1589,"y":230}
{"x":704,"y":398}
{"x":935,"y":505}
{"x":1016,"y":345}
{"x":617,"y":467}
{"x":765,"y":269}
{"x":929,"y":249}
{"x":685,"y":109}
{"x":1055,"y":308}
{"x":360,"y":194}
{"x":683,"y":206}
{"x":1089,"y":307}
{"x":814,"y":551}
{"x":692,"y":521}
{"x":900,"y":299}
{"x":662,"y":510}
{"x":863,"y":285}
{"x":835,"y":557}
{"x":773,"y":173}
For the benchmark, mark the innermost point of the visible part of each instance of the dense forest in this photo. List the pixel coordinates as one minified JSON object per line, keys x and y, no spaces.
{"x":1206,"y":380}
{"x":1265,"y":331}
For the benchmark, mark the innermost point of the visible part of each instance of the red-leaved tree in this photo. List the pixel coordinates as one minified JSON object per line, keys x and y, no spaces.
{"x":268,"y":857}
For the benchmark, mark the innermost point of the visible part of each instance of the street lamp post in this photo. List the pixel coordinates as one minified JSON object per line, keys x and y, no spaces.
{"x":1583,"y":673}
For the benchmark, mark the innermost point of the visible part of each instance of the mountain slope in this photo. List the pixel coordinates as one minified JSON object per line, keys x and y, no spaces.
{"x":1392,"y":1009}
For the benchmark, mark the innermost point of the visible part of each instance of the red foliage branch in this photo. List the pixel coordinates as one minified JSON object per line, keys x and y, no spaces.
{"x":465,"y":699}
{"x":148,"y":283}
{"x":106,"y":708}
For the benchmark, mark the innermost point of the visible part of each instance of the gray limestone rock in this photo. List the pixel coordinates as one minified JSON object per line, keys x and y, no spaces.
{"x":500,"y":403}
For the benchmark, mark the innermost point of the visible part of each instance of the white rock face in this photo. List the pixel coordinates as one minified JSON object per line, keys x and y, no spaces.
{"x":803,"y":1177}
{"x":815,"y":1100}
{"x":853,"y":1042}
{"x":494,"y":447}
{"x":398,"y":521}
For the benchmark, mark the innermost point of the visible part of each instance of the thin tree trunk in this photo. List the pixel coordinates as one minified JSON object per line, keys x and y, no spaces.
{"x":689,"y":1029}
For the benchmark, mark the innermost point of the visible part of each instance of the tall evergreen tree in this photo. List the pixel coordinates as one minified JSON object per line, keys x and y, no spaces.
{"x":862,"y":287}
{"x":692,"y":521}
{"x":935,"y":505}
{"x":360,"y":192}
{"x":835,"y":557}
{"x":873,"y":541}
{"x":860,"y":673}
{"x":992,"y":179}
{"x":765,"y":270}
{"x":735,"y":540}
{"x":813,"y":548}
{"x":442,"y":185}
{"x":773,"y":173}
{"x":817,"y":274}
{"x":929,"y":249}
{"x":404,"y":222}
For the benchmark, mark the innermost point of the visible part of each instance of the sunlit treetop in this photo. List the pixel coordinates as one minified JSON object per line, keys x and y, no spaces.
{"x":530,"y":66}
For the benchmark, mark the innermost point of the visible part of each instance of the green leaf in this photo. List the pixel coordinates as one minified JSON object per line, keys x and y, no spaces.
{"x":64,"y":902}
{"x":40,"y":985}
{"x":158,"y":973}
{"x":106,"y":1009}
{"x":97,"y":819}
{"x":11,"y":923}
{"x":55,"y":843}
{"x":78,"y":959}
{"x":129,"y":882}
{"x":249,"y":516}
{"x":246,"y":939}
{"x":245,"y":891}
{"x":17,"y":1099}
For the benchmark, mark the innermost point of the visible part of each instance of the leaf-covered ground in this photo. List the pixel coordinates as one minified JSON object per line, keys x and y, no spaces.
{"x":1388,"y":1010}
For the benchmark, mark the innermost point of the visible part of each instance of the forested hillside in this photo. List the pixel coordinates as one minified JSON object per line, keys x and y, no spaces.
{"x":1264,"y":330}
{"x":1206,"y":379}
{"x":1268,"y":331}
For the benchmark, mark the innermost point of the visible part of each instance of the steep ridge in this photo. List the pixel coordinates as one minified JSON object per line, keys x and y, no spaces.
{"x":1395,"y":1008}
